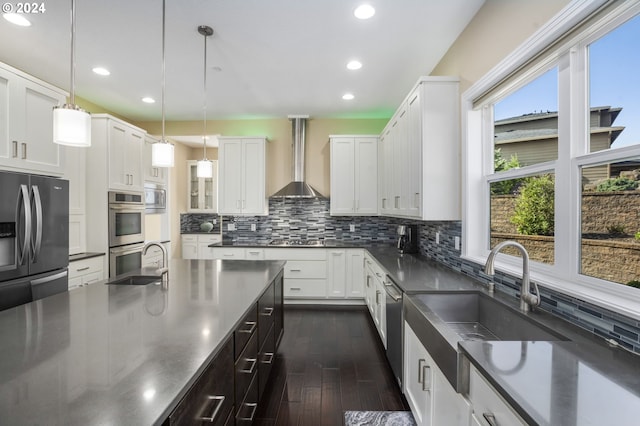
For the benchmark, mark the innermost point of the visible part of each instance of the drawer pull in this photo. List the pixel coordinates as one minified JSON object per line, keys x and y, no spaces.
{"x":267,"y":312}
{"x":216,"y":410}
{"x":253,"y":362}
{"x":252,"y":326}
{"x":270,"y":356}
{"x":295,"y":270}
{"x":420,"y":361}
{"x":490,"y":418}
{"x":254,"y":252}
{"x":15,"y":149}
{"x":254,"y":406}
{"x":83,"y":269}
{"x":426,"y":384}
{"x":228,"y":254}
{"x":294,"y":288}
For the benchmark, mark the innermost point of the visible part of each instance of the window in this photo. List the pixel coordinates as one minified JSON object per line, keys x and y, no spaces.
{"x":556,"y":123}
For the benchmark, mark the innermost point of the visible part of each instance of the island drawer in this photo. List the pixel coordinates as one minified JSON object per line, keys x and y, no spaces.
{"x":246,"y":368}
{"x":246,"y":411}
{"x":266,"y":357}
{"x":210,"y":399}
{"x":266,"y":314}
{"x":245,"y":330}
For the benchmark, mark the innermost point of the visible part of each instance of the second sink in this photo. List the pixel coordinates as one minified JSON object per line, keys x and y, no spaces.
{"x":135,"y":280}
{"x":476,"y":316}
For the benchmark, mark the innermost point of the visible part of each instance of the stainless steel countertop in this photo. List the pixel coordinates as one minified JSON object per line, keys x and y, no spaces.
{"x":122,"y":355}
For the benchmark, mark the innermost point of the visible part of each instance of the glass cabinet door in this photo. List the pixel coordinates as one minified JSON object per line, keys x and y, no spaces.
{"x":202,"y":192}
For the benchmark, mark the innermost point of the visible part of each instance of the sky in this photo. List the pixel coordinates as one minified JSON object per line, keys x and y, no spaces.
{"x":614,"y":81}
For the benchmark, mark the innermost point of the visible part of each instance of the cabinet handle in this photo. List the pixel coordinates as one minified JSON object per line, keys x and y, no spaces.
{"x":253,"y":362}
{"x":384,"y":203}
{"x":228,"y":255}
{"x":295,"y":270}
{"x":396,"y":201}
{"x":270,"y":356}
{"x":253,"y":412}
{"x":420,"y":361}
{"x":294,"y":288}
{"x":267,"y":312}
{"x":417,"y":200}
{"x":426,"y":385}
{"x":490,"y":418}
{"x":254,"y":252}
{"x":377,"y":297}
{"x":83,"y":269}
{"x":15,"y":149}
{"x":216,"y":410}
{"x":24,"y":150}
{"x":378,"y":274}
{"x":368,"y":280}
{"x":252,"y":327}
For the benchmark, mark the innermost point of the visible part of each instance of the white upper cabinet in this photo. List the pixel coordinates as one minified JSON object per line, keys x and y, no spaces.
{"x":152,"y":174}
{"x":420,"y":161}
{"x":26,"y":124}
{"x":124,"y":143}
{"x":354,"y":175}
{"x":202,"y":193}
{"x":242,"y":179}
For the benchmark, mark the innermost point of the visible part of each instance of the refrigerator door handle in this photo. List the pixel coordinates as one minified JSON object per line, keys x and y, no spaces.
{"x":50,"y":278}
{"x":36,"y":243}
{"x":26,"y":206}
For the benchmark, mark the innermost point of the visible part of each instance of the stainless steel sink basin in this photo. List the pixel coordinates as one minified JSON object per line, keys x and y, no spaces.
{"x":476,"y":316}
{"x":136,"y":280}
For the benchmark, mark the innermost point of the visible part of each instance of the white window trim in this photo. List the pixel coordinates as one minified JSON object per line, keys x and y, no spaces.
{"x":477,"y":159}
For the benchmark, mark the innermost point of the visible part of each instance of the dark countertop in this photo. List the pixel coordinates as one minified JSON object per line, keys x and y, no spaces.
{"x":108,"y":354}
{"x":82,"y":256}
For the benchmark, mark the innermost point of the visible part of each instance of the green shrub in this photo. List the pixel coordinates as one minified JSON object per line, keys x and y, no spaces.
{"x":637,"y":236}
{"x":634,"y":283}
{"x":500,"y":164}
{"x":616,"y":229}
{"x":617,"y":184}
{"x":535,"y":206}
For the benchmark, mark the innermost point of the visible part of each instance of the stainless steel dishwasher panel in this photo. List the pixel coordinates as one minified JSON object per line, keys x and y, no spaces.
{"x":394,"y":328}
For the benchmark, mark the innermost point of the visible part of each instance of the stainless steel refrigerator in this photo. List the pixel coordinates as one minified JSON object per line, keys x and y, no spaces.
{"x":34,"y":237}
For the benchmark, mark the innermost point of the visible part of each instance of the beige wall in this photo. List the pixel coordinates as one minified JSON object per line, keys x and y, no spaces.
{"x":499,"y":27}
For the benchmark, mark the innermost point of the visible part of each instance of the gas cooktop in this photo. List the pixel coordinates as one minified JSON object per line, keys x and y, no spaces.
{"x":297,"y":243}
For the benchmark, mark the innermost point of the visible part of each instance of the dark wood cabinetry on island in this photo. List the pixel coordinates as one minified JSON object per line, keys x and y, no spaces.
{"x":229,"y":390}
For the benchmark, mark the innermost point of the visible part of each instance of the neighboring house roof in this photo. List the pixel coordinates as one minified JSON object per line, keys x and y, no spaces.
{"x":512,"y":136}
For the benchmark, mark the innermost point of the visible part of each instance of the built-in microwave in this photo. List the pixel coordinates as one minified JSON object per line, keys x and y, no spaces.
{"x":155,"y":198}
{"x":126,"y":218}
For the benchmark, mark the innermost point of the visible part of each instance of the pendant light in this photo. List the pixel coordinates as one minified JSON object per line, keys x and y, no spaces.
{"x":72,"y":124}
{"x":205,"y":166}
{"x":162,"y":152}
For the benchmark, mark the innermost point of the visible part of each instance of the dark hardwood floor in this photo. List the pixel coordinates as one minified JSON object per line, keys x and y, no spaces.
{"x":330,"y":360}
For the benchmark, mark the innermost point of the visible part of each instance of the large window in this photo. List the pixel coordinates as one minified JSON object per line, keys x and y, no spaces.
{"x":552,"y":157}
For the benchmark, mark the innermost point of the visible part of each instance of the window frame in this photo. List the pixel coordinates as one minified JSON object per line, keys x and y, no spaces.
{"x":547,"y":48}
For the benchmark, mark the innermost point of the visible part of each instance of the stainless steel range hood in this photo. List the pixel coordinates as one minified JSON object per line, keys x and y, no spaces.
{"x":298,"y":188}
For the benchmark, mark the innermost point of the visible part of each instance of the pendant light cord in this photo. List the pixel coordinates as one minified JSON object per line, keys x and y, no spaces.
{"x":72,"y":97}
{"x":204,"y":124}
{"x":163,"y":68}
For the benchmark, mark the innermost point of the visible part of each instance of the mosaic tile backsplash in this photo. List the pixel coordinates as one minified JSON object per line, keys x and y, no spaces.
{"x":310,"y":219}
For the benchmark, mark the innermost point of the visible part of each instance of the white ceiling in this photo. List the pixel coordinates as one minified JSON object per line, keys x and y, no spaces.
{"x":277,"y":57}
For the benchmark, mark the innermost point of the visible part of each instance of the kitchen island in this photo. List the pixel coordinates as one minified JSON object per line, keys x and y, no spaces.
{"x":122,"y":354}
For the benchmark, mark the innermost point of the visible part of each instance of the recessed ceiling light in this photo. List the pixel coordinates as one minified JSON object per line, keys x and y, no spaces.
{"x":148,"y":100}
{"x":101,"y":71}
{"x":354,"y":65}
{"x":17,"y":19}
{"x":348,"y":96}
{"x":364,"y":11}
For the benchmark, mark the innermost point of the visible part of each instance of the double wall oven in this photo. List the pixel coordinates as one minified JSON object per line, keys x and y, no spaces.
{"x":126,"y":231}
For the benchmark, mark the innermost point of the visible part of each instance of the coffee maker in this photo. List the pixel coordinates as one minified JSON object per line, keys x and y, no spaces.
{"x":407,"y":238}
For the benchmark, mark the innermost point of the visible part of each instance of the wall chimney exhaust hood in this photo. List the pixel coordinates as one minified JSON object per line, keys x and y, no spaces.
{"x":298,"y":188}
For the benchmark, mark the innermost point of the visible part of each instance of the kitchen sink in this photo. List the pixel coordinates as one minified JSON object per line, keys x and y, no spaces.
{"x":136,"y":280}
{"x":476,"y":316}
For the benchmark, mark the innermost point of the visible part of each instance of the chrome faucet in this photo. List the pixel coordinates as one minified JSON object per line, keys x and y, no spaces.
{"x":527,"y":300}
{"x":164,"y":271}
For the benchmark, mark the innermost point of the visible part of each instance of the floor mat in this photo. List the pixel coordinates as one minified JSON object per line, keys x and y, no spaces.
{"x":378,"y":418}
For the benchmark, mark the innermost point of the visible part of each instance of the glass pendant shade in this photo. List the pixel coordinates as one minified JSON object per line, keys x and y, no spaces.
{"x":204,"y":168}
{"x":71,"y":126}
{"x":162,"y":154}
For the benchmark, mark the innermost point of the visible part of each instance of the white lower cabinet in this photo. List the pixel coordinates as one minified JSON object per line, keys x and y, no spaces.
{"x":488,"y":407}
{"x":196,"y":246}
{"x":376,"y":295}
{"x":229,"y":253}
{"x":85,"y":272}
{"x":432,"y":399}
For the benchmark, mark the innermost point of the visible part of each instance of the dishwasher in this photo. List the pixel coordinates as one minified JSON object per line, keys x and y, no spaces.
{"x":394,"y":327}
